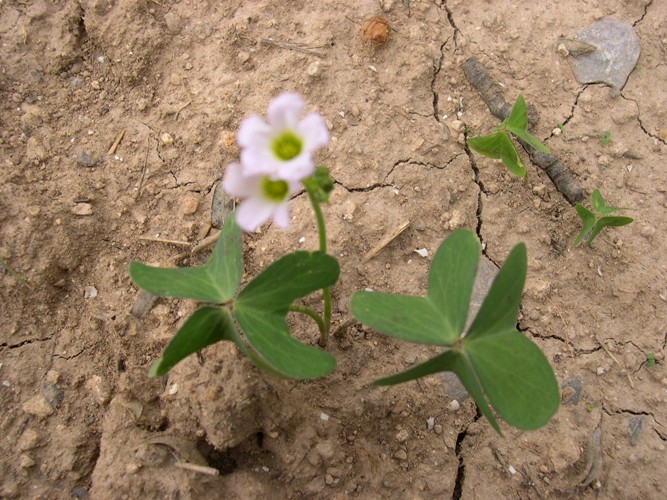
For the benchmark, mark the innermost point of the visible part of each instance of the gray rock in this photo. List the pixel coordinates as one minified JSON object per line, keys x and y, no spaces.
{"x":85,"y":160}
{"x":635,"y":424}
{"x":571,"y":391}
{"x":605,"y":52}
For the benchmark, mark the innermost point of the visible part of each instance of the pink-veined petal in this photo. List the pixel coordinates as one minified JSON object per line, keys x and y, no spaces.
{"x":252,"y":213}
{"x":285,"y":110}
{"x":253,"y":132}
{"x":281,"y":215}
{"x":236,"y":183}
{"x":314,"y":132}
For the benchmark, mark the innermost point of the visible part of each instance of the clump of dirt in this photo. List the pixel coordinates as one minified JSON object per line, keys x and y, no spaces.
{"x":79,"y":415}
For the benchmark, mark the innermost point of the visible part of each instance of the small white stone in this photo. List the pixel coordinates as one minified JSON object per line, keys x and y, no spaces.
{"x":430,"y":422}
{"x":422,"y":251}
{"x":173,"y":389}
{"x":167,"y":139}
{"x":454,"y":405}
{"x":600,"y":370}
{"x":89,"y":292}
{"x":302,"y":239}
{"x":314,"y":70}
{"x":324,"y":417}
{"x":511,"y":470}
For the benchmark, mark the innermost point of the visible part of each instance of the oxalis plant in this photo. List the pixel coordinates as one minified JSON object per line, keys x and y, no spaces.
{"x":598,"y":219}
{"x":499,"y":145}
{"x":499,"y":367}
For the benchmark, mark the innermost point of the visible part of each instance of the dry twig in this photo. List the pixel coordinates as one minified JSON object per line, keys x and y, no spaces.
{"x":114,"y":146}
{"x":386,"y":240}
{"x":291,"y":46}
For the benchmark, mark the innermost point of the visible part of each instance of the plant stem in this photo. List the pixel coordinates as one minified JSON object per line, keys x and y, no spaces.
{"x":326,"y":292}
{"x":308,"y":312}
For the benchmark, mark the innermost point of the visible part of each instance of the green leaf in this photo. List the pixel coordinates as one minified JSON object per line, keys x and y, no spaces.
{"x":499,"y":146}
{"x":600,"y":206}
{"x":404,"y":316}
{"x":517,"y":123}
{"x":215,"y":282}
{"x":451,"y":279}
{"x":206,"y":326}
{"x":262,"y":305}
{"x":518,"y":117}
{"x":530,"y":139}
{"x":588,"y":220}
{"x":501,"y":305}
{"x":608,"y":221}
{"x":515,"y":376}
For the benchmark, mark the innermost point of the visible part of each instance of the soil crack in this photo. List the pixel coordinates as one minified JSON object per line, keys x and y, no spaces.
{"x":646,"y":7}
{"x":7,"y":345}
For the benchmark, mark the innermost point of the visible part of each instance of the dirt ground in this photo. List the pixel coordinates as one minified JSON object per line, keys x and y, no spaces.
{"x":79,"y":416}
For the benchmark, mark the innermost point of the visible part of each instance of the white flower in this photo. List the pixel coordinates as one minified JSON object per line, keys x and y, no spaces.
{"x":264,"y":197}
{"x":282,"y":148}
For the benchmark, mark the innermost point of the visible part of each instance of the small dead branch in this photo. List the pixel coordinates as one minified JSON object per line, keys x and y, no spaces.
{"x":492,"y":95}
{"x":114,"y":146}
{"x":166,"y":240}
{"x":291,"y":46}
{"x":386,"y":240}
{"x":178,"y":111}
{"x":202,"y":469}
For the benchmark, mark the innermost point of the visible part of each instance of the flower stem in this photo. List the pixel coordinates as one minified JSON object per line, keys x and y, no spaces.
{"x":308,"y":312}
{"x":326,"y":292}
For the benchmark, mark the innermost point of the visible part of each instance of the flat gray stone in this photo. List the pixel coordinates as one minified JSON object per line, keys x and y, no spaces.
{"x":605,"y":52}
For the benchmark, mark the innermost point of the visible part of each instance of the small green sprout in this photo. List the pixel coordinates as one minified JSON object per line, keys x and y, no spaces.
{"x":590,"y":407}
{"x":596,"y":221}
{"x":606,"y":137}
{"x":561,"y":127}
{"x":650,"y":359}
{"x":17,"y":276}
{"x":498,"y":144}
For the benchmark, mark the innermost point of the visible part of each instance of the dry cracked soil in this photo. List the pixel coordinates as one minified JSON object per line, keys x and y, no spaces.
{"x":79,"y":416}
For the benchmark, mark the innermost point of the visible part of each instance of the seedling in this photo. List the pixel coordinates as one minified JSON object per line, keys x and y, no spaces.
{"x":606,"y":137}
{"x":498,"y":144}
{"x":596,"y":221}
{"x":259,"y":308}
{"x":498,"y":365}
{"x":650,"y":359}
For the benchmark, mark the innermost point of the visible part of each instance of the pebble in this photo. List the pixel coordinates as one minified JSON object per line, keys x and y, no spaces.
{"x":648,"y":231}
{"x":457,"y":126}
{"x":437,"y":428}
{"x":402,"y":436}
{"x":26,"y":461}
{"x":167,"y":139}
{"x":34,"y":210}
{"x":89,"y":292}
{"x":82,"y":209}
{"x":386,"y":5}
{"x":189,"y":205}
{"x":99,"y":390}
{"x":325,"y":449}
{"x":556,"y":132}
{"x":29,"y":439}
{"x":314,"y":70}
{"x":401,"y":455}
{"x":571,"y":390}
{"x":35,"y":150}
{"x":52,"y":394}
{"x":243,"y":57}
{"x":454,"y":405}
{"x":37,"y":406}
{"x":600,"y":370}
{"x":85,"y":160}
{"x":430,"y":422}
{"x":143,"y":303}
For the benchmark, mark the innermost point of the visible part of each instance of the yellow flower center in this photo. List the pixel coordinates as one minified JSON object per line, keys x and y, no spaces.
{"x":286,"y":145}
{"x":274,"y":191}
